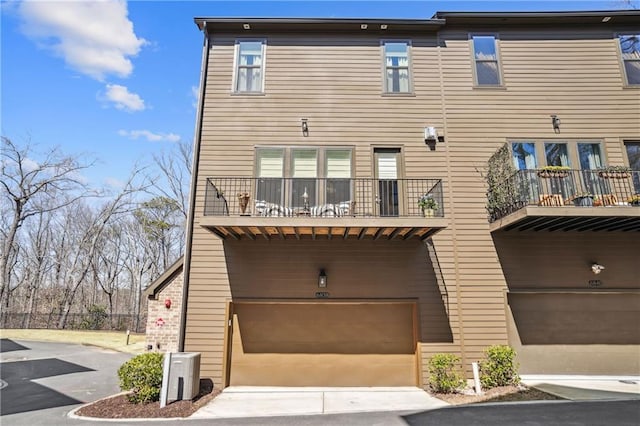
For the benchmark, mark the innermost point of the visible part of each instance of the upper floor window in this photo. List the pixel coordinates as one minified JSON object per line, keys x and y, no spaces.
{"x":396,"y":67}
{"x":249,"y":72}
{"x":630,"y":51}
{"x":485,"y":57}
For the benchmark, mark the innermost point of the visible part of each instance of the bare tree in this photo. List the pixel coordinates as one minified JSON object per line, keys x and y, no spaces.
{"x":92,"y":227}
{"x":31,"y":187}
{"x":174,"y":175}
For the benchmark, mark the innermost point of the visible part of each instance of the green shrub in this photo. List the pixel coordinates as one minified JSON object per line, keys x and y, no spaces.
{"x":499,"y":368}
{"x":444,"y":376}
{"x":95,"y":318}
{"x":142,"y":375}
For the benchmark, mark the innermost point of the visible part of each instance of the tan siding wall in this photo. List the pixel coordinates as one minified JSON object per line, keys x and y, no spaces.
{"x":337,"y":84}
{"x":546,"y":73}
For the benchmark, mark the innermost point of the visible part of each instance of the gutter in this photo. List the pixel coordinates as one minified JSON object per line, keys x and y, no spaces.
{"x":197,"y":137}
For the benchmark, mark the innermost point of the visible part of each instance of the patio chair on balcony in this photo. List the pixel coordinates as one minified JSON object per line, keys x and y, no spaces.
{"x":609,"y":199}
{"x":551,"y":200}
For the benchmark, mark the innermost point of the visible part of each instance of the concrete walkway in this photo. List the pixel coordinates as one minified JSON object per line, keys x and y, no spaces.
{"x":264,"y":401}
{"x":586,"y":388}
{"x":258,"y":401}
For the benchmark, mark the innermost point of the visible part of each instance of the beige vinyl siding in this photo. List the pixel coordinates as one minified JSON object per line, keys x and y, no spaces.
{"x":337,"y":86}
{"x":577,"y":79}
{"x":335,"y":83}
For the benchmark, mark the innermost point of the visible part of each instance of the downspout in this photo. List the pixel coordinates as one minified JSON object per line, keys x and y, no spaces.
{"x":197,"y":136}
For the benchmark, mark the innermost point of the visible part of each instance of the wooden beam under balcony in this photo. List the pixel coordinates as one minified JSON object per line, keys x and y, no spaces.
{"x":571,"y":218}
{"x":376,"y":228}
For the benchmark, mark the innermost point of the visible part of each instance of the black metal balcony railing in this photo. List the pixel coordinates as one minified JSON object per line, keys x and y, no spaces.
{"x":314,"y":197}
{"x":580,"y":188}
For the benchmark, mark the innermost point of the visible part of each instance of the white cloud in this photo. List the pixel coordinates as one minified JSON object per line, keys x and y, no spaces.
{"x":150,"y":136}
{"x":114,"y":183}
{"x":195,"y":93}
{"x":30,"y":165}
{"x":123,"y":99}
{"x":94,"y":37}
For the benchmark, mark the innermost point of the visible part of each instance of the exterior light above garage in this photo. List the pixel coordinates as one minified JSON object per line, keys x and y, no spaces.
{"x":322,"y":279}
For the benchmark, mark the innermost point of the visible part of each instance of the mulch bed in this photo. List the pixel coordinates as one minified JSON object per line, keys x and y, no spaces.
{"x":118,"y":407}
{"x":500,"y":394}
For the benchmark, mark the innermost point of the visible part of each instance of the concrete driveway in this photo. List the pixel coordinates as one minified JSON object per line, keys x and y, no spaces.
{"x":43,"y":381}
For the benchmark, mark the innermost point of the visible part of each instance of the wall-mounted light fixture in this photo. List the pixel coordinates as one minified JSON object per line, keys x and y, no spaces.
{"x":322,"y":279}
{"x":430,"y":134}
{"x":597,"y":268}
{"x":364,"y":26}
{"x":555,"y":122}
{"x":305,"y":127}
{"x":383,"y":26}
{"x":246,"y":26}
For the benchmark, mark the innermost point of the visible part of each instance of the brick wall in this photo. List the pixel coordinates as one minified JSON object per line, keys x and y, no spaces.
{"x":164,"y":338}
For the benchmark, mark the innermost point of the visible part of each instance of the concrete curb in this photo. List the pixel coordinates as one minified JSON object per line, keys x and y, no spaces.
{"x":72,"y":414}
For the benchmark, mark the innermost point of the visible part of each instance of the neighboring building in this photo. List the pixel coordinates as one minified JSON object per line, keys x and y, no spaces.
{"x":327,"y":272}
{"x":164,"y":309}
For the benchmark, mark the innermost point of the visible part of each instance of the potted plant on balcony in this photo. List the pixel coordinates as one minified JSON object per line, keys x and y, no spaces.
{"x":243,"y":201}
{"x":634,"y":200}
{"x":428,"y":205}
{"x":614,"y":172}
{"x":553,"y":171}
{"x":583,"y":199}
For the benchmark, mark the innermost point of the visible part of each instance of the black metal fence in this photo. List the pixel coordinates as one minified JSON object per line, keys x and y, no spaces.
{"x":562,"y":188}
{"x":85,"y":321}
{"x":316,"y":197}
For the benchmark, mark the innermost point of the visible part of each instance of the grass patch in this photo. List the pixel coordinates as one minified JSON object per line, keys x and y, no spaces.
{"x":116,"y":340}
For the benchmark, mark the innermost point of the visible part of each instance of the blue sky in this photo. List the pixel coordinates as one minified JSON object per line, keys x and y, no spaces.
{"x":117,"y":81}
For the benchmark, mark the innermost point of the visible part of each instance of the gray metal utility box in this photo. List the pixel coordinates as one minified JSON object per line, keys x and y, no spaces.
{"x":184,"y":376}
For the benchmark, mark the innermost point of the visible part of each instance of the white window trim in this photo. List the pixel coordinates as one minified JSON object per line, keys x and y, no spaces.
{"x":236,"y":59}
{"x":476,"y":84}
{"x":622,"y":60}
{"x":384,"y":66}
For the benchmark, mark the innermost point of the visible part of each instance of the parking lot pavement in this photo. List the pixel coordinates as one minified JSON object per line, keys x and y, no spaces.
{"x":44,"y":380}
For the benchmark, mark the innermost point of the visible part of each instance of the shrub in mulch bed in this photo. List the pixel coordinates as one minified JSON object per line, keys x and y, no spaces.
{"x":119,"y":407}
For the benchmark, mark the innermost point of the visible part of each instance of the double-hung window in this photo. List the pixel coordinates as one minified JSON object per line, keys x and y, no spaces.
{"x":486,"y":61}
{"x":249,"y":72}
{"x":396,"y":67}
{"x":630,"y":53}
{"x":284,"y":175}
{"x":270,"y":173}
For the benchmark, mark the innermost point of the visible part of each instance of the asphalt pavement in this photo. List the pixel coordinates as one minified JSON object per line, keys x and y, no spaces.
{"x":43,"y":381}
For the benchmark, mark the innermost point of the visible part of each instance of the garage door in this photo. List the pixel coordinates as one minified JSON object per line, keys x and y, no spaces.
{"x":575,"y":333}
{"x":323,"y":344}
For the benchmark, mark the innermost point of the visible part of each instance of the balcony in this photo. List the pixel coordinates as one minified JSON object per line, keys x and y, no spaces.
{"x":567,"y":200}
{"x":313,"y":208}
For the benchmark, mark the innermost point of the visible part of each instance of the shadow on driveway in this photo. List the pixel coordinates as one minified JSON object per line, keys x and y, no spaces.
{"x":21,"y":394}
{"x":7,"y":345}
{"x":607,"y":413}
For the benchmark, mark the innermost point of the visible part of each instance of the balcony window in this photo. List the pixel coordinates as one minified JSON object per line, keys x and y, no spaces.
{"x":633,"y":156}
{"x":270,"y":173}
{"x":485,"y":57}
{"x":630,"y":53}
{"x":524,"y":155}
{"x":338,"y":172}
{"x":396,"y":66}
{"x":304,"y":171}
{"x":249,"y":73}
{"x":286,"y":174}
